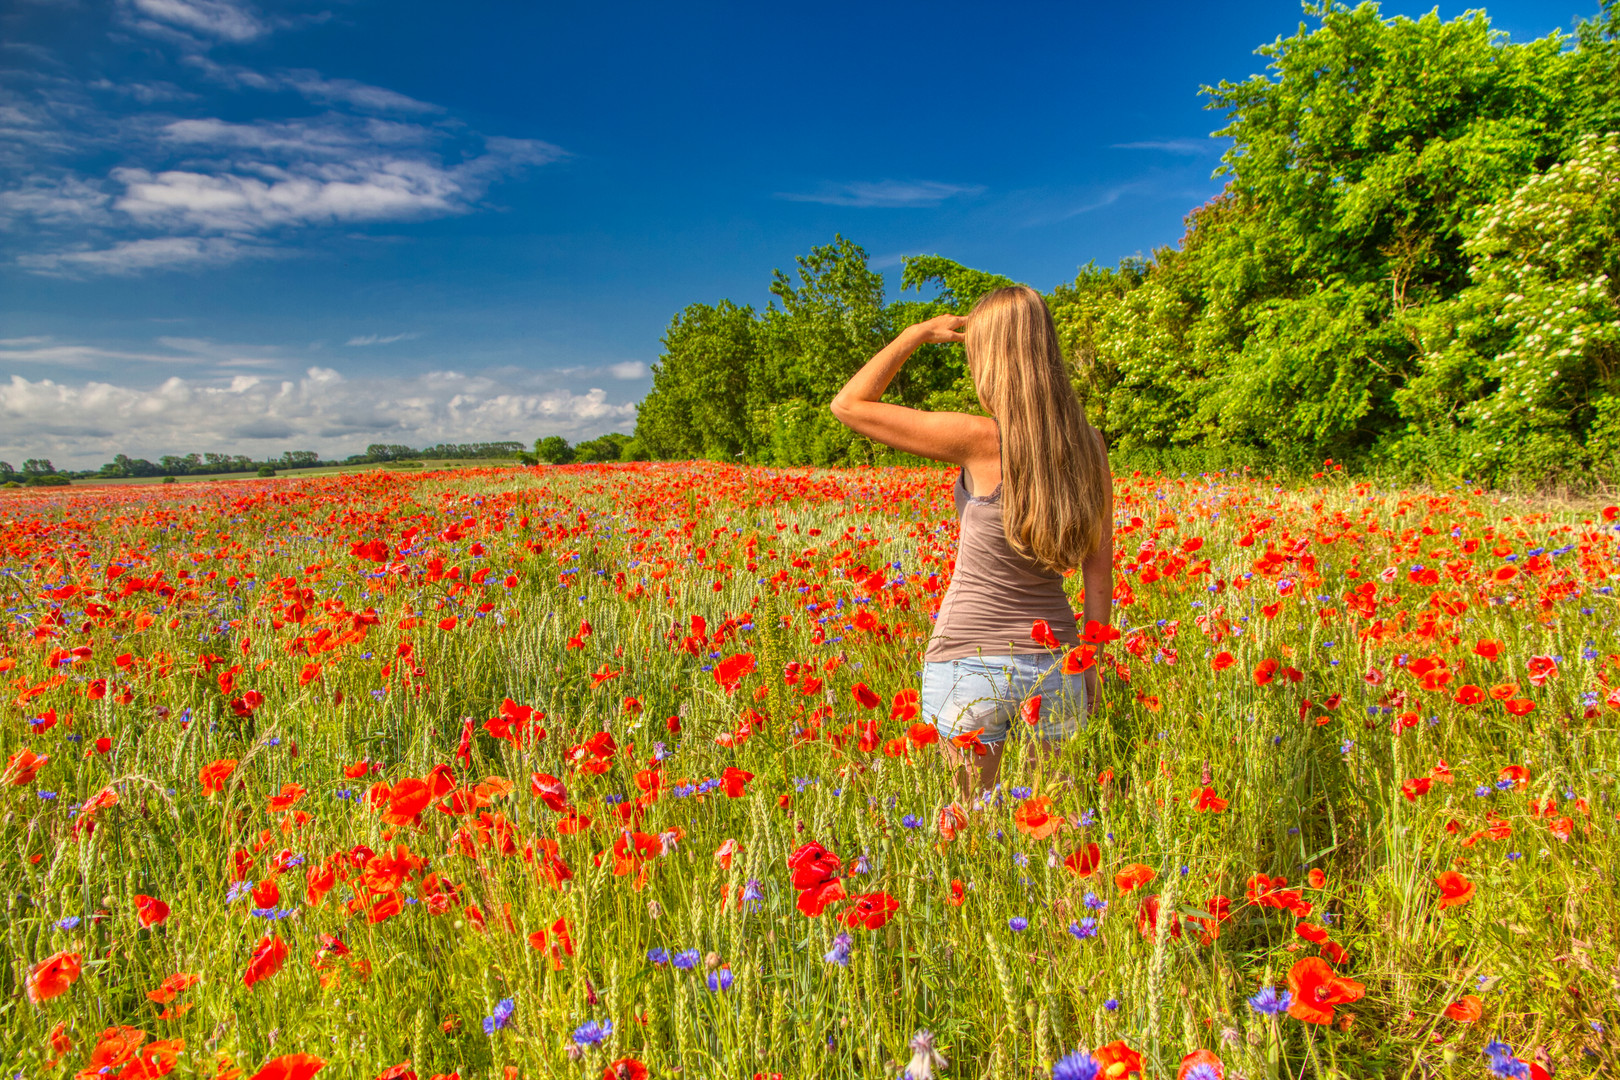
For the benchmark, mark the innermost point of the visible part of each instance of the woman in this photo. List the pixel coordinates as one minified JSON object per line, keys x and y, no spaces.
{"x":1035,"y":499}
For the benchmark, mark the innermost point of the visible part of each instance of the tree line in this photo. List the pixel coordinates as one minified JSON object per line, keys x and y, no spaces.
{"x":1414,"y":267}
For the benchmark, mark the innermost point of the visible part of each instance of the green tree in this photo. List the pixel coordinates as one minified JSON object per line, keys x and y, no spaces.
{"x":554,"y":450}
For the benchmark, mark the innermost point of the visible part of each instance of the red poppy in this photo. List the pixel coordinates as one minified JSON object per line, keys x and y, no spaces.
{"x":1132,"y":876}
{"x":1206,"y":800}
{"x":22,"y":767}
{"x":1079,"y":659}
{"x":813,"y":864}
{"x":1201,"y":1057}
{"x":922,"y":735}
{"x":865,"y":697}
{"x":213,"y":775}
{"x":1466,"y":1009}
{"x":1265,"y":672}
{"x":1118,"y":1061}
{"x":625,"y":1069}
{"x":1316,"y":879}
{"x":1035,"y":819}
{"x":958,"y":894}
{"x":268,"y":956}
{"x":734,"y":782}
{"x":549,"y":790}
{"x":1316,"y":989}
{"x":1084,"y":860}
{"x":814,"y":900}
{"x":1030,"y":710}
{"x":1041,"y":634}
{"x":52,"y":976}
{"x":969,"y":740}
{"x":871,"y":910}
{"x":150,"y":911}
{"x":1102,"y":633}
{"x":1222,"y":660}
{"x":730,"y":671}
{"x":291,"y":1067}
{"x":1147,"y":918}
{"x":1454,"y":889}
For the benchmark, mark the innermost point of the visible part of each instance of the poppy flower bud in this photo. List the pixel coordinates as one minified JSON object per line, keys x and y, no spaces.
{"x":711,"y":961}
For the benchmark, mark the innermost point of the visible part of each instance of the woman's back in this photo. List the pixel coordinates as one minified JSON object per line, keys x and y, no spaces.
{"x":995,"y":594}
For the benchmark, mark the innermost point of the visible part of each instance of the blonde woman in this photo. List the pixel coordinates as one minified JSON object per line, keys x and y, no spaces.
{"x":1035,"y":499}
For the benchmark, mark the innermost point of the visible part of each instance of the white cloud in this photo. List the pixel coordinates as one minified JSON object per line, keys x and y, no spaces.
{"x":217,"y":19}
{"x":884,"y":193}
{"x":135,"y":256}
{"x":321,"y":410}
{"x":66,"y":200}
{"x":49,"y":352}
{"x":629,"y":369}
{"x":312,"y":86}
{"x":1187,"y":147}
{"x":378,"y":339}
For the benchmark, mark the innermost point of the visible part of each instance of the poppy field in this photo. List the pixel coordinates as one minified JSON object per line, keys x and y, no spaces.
{"x":619,"y":772}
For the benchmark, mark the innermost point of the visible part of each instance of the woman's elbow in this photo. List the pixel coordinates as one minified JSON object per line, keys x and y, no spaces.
{"x":840,"y":410}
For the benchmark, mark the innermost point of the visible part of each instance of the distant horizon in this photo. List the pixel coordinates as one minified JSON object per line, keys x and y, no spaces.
{"x":231,"y":229}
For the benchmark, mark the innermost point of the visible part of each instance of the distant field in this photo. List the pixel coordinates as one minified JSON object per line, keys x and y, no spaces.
{"x":428,"y":465}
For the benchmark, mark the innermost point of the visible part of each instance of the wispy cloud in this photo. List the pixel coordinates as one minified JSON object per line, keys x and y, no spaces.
{"x":218,"y":20}
{"x":1186,"y":147}
{"x":378,"y":339}
{"x":629,"y":369}
{"x":312,"y":86}
{"x":136,"y":256}
{"x":884,"y":193}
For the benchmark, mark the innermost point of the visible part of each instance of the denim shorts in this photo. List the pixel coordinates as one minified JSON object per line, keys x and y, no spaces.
{"x":987,"y":692}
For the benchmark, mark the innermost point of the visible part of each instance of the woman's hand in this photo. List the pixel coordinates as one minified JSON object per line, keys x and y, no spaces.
{"x":940,"y":330}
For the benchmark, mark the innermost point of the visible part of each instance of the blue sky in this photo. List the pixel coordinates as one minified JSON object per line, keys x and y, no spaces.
{"x":250,"y":228}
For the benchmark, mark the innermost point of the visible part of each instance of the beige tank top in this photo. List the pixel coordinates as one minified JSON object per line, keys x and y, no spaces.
{"x":995,"y":594}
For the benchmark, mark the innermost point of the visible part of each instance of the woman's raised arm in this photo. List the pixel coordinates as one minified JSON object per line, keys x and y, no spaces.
{"x":943,"y":436}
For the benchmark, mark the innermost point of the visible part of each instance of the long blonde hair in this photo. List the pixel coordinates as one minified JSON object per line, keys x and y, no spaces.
{"x":1054,"y":475}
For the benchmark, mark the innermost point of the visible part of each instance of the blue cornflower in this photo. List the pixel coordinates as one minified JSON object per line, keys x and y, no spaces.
{"x":1270,"y":1003}
{"x":501,"y":1017}
{"x":720,"y":980}
{"x":1077,"y":1066}
{"x":753,"y":892}
{"x":46,"y":795}
{"x":1482,"y":791}
{"x":1020,"y":793}
{"x":237,"y":891}
{"x":592,"y":1032}
{"x":1018,"y":924}
{"x":1503,"y":1063}
{"x":658,"y":955}
{"x":1112,"y":1004}
{"x":1094,"y":903}
{"x":839,"y":953}
{"x":685,"y":960}
{"x":1020,"y":858}
{"x":910,"y":821}
{"x":1202,"y":1072}
{"x":1088,"y":818}
{"x":1085,"y":928}
{"x":69,"y":923}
